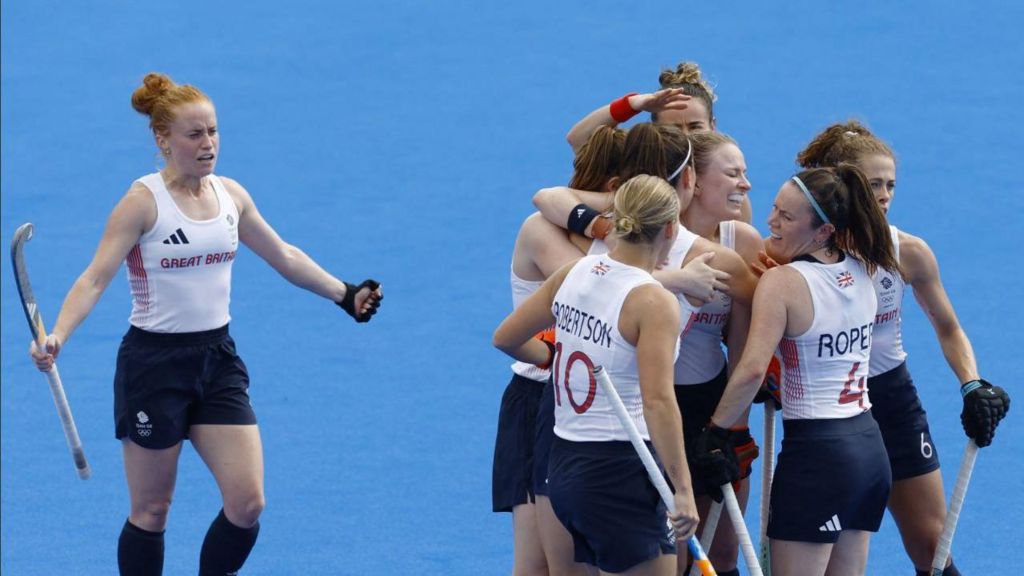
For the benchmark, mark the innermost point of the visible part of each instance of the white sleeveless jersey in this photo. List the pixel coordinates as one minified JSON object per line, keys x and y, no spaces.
{"x":824,"y":371}
{"x":180,"y":271}
{"x":703,"y":358}
{"x":887,"y":351}
{"x":586,"y":309}
{"x":521,"y":290}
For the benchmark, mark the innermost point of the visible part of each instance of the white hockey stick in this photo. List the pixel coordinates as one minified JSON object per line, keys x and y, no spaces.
{"x":736,"y":515}
{"x":700,"y":558}
{"x":767,"y":471}
{"x":956,"y":503}
{"x":35,"y":323}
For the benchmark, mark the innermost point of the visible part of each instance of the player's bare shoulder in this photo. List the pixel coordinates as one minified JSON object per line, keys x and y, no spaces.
{"x":237,"y":192}
{"x":917,"y":261}
{"x":748,"y":240}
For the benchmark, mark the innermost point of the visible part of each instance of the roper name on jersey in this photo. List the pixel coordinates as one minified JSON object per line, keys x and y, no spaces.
{"x":582,"y":325}
{"x":844,"y":341}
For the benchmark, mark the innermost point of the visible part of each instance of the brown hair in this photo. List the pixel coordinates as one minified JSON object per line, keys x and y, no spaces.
{"x":849,"y":142}
{"x":599,"y":159}
{"x":844,"y":195}
{"x":643,"y":206}
{"x":705,"y":143}
{"x":654,"y":149}
{"x":159,"y":96}
{"x":687,"y":76}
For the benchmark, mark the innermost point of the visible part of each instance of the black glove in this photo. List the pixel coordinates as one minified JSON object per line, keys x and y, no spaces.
{"x":984,"y":406}
{"x":715,"y":460}
{"x":348,"y":303}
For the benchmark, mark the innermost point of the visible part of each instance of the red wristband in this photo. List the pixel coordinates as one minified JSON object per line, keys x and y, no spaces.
{"x":621,"y":110}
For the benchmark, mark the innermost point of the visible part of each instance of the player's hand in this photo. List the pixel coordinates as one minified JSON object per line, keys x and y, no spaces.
{"x":985,"y":406}
{"x":665,"y":99}
{"x":361,"y":302}
{"x":697,"y":279}
{"x":764,"y":263}
{"x":685,"y":520}
{"x":44,"y":359}
{"x":715,"y":460}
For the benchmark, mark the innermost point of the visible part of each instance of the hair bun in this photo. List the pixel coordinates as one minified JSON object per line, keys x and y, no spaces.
{"x":625,"y":224}
{"x":154,"y":85}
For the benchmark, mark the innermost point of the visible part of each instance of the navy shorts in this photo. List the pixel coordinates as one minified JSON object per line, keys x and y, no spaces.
{"x":544,"y":435}
{"x":903,"y":422}
{"x":832,"y":475}
{"x":601,"y":493}
{"x":165,"y":383}
{"x":697,"y":402}
{"x":512,"y":474}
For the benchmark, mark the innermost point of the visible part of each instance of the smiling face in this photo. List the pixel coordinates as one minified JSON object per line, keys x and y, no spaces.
{"x":695,"y":117}
{"x":791,"y":225}
{"x":880,"y":170}
{"x":192,"y":139}
{"x":722,"y":186}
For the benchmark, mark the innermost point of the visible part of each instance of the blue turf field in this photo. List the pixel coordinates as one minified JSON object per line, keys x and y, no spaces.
{"x":403,"y":140}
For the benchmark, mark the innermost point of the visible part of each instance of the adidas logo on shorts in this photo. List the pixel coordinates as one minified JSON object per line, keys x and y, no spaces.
{"x":832,"y":525}
{"x":177,"y":238}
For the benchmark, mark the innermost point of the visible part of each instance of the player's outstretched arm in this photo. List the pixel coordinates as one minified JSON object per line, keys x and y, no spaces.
{"x":360,"y":301}
{"x":622,"y":109}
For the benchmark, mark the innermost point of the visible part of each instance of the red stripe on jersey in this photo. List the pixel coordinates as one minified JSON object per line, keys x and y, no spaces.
{"x":689,"y":324}
{"x":137,"y":273}
{"x":793,"y":385}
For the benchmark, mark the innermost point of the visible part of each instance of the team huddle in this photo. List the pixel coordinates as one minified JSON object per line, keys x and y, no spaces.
{"x":646,"y":266}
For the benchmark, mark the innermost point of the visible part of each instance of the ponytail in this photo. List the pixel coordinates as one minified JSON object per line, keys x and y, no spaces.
{"x":845,"y":197}
{"x":599,"y":159}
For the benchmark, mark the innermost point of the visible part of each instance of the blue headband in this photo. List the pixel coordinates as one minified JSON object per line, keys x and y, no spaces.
{"x":814,"y":203}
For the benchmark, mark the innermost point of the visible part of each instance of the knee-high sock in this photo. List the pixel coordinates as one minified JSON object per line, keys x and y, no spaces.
{"x":226,"y":547}
{"x":140,"y":552}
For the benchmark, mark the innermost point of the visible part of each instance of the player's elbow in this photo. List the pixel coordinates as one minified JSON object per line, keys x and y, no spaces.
{"x":543,"y":197}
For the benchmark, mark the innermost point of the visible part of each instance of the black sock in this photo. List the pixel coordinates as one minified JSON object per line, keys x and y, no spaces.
{"x":140,"y":552}
{"x":226,"y":547}
{"x":949,"y":571}
{"x":733,"y":572}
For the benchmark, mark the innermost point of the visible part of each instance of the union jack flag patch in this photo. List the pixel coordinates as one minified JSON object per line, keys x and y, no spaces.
{"x":844,"y":279}
{"x":600,"y":269}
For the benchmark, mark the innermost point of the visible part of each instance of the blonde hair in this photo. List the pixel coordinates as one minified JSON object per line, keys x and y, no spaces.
{"x":159,"y":96}
{"x":643,"y":206}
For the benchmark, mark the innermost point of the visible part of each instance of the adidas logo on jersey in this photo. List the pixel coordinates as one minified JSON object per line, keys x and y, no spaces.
{"x":832,"y":525}
{"x":177,"y":238}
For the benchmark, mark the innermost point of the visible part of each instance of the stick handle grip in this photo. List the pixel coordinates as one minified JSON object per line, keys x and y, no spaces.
{"x":67,"y":422}
{"x":956,"y":503}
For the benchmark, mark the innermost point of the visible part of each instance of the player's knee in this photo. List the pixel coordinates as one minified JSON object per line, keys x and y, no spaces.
{"x":244,"y":511}
{"x":151,"y":515}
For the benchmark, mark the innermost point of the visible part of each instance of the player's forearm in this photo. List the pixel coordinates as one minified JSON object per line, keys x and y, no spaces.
{"x":959,"y":354}
{"x":581,"y":131}
{"x":664,"y":425}
{"x":79,"y":302}
{"x":298,"y":268}
{"x":739,"y":393}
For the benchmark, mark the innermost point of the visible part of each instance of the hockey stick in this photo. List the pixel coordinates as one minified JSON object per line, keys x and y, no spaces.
{"x":707,"y":536}
{"x":35,"y":323}
{"x":767,"y":470}
{"x":700,"y":558}
{"x":736,"y":515}
{"x":956,"y":502}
